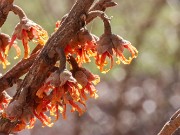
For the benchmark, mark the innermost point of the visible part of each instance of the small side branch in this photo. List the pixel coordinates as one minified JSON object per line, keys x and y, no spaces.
{"x":104,"y":17}
{"x":101,"y":5}
{"x":172,"y":125}
{"x":62,"y":58}
{"x":17,"y":71}
{"x":18,"y":11}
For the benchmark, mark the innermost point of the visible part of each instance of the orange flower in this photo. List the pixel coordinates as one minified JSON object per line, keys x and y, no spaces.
{"x":58,"y":23}
{"x":113,"y":44}
{"x":26,"y":31}
{"x":44,"y":119}
{"x":31,"y":123}
{"x":87,"y":80}
{"x":59,"y":90}
{"x":71,"y":91}
{"x":83,"y":45}
{"x":4,"y":100}
{"x":4,"y":45}
{"x":20,"y":126}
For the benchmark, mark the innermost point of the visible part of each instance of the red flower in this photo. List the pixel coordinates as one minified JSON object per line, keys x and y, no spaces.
{"x":26,"y":31}
{"x":4,"y":100}
{"x":87,"y":80}
{"x":59,"y":90}
{"x":4,"y":45}
{"x":83,"y":45}
{"x":113,"y":44}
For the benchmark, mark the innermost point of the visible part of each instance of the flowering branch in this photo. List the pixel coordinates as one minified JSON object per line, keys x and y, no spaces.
{"x":48,"y":56}
{"x":49,"y":85}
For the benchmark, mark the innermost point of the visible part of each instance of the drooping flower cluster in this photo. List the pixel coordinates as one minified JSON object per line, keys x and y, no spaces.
{"x":24,"y":117}
{"x":83,"y":45}
{"x":26,"y":30}
{"x":110,"y":45}
{"x":62,"y":89}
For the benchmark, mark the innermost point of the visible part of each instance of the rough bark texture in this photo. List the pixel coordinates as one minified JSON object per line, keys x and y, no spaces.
{"x":10,"y":77}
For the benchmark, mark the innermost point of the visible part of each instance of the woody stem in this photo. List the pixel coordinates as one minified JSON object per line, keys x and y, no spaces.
{"x":18,"y":11}
{"x":104,"y":17}
{"x":73,"y":62}
{"x":62,"y":58}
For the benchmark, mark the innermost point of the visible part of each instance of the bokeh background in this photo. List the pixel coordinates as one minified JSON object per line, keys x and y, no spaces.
{"x":135,"y":99}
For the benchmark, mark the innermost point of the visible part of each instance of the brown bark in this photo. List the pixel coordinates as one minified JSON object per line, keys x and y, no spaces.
{"x":10,"y":77}
{"x":4,"y":10}
{"x":172,"y":125}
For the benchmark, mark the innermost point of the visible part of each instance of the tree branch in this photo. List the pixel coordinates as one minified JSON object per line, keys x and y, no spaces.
{"x":10,"y":77}
{"x":172,"y":125}
{"x":4,"y":10}
{"x":22,"y":67}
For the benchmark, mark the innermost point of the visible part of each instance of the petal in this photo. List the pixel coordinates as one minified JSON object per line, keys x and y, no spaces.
{"x":25,"y":44}
{"x":18,"y":51}
{"x":10,"y":44}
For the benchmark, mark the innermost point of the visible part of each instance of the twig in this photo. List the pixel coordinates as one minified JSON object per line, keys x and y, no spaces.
{"x":10,"y":77}
{"x":17,"y":10}
{"x":104,"y":17}
{"x":172,"y":125}
{"x":101,"y":5}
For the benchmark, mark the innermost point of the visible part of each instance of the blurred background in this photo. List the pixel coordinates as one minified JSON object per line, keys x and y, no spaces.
{"x":135,"y":99}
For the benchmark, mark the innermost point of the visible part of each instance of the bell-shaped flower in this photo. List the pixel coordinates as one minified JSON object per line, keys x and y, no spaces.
{"x":109,"y":45}
{"x":27,"y":30}
{"x":60,"y":89}
{"x":83,"y":45}
{"x":87,"y":80}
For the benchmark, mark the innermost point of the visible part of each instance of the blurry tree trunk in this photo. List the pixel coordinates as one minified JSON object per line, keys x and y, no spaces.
{"x":144,"y":27}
